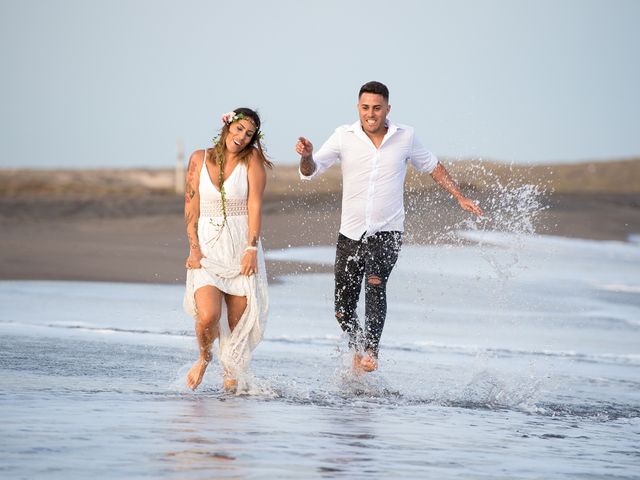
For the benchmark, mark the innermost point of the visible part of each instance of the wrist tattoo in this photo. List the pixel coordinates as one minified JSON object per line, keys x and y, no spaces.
{"x":193,"y":242}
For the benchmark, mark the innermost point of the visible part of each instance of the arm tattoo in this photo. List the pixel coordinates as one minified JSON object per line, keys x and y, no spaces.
{"x":307,"y":165}
{"x":193,"y":243}
{"x":189,"y":191}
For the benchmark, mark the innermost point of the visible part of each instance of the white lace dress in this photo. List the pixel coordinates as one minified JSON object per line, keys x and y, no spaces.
{"x":223,"y":247}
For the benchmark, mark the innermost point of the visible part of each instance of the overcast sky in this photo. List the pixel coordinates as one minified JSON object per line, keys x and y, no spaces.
{"x":118,"y":83}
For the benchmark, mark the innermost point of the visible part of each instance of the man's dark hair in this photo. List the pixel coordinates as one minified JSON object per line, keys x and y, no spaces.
{"x":375,"y":87}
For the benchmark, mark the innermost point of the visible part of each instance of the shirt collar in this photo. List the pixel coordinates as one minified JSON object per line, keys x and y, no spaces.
{"x":354,"y":127}
{"x":357,"y":129}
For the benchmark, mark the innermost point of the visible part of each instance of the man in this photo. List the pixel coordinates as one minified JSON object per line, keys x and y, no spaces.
{"x":374,"y":153}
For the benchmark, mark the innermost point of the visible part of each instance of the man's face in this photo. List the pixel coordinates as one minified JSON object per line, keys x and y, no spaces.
{"x":373,"y":110}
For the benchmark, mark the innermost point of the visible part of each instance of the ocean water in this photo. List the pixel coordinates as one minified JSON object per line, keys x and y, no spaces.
{"x":503,"y":357}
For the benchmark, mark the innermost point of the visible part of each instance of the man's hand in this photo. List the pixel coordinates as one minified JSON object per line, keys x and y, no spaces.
{"x":470,"y":206}
{"x":304,"y":147}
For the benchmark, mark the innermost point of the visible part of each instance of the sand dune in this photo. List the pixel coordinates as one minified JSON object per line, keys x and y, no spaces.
{"x":619,"y":176}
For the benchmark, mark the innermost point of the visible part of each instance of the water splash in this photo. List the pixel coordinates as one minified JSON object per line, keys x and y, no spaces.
{"x":511,"y":202}
{"x":248,"y":384}
{"x":511,"y":207}
{"x":497,"y":390}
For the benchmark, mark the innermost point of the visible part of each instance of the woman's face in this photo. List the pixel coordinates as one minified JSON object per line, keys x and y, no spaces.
{"x":240,"y":134}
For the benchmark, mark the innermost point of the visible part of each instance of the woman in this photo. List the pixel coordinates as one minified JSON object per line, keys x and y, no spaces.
{"x":225,"y":267}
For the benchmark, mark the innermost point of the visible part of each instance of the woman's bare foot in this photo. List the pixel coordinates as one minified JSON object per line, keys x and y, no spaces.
{"x":228,"y":382}
{"x":194,"y":377}
{"x":369,"y":362}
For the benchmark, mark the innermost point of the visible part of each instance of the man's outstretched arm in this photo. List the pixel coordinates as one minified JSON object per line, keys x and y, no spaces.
{"x":442,"y":178}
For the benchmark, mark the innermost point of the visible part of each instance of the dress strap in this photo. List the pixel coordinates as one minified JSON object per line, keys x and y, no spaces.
{"x":204,"y":162}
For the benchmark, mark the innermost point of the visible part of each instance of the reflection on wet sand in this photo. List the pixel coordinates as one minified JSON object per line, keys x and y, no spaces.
{"x":208,"y":427}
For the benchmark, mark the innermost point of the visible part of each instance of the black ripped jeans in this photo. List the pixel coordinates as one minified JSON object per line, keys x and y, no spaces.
{"x":373,"y":257}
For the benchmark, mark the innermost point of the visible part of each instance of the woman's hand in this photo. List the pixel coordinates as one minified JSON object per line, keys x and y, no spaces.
{"x":249,"y":263}
{"x":193,"y":260}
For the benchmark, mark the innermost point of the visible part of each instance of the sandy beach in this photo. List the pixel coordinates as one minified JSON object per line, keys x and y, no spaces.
{"x":127,"y":225}
{"x":510,"y":348}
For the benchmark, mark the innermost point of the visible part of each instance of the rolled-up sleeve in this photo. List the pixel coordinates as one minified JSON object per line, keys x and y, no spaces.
{"x":421,"y":158}
{"x":328,"y":154}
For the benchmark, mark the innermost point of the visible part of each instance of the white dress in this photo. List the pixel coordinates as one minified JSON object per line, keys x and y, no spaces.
{"x":223,"y":245}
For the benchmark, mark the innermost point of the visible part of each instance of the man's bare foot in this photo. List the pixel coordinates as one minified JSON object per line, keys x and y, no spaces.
{"x":194,"y":377}
{"x":357,"y":364}
{"x":369,"y":362}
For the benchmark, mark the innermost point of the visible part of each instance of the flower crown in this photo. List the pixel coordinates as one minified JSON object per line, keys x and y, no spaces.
{"x":230,"y":117}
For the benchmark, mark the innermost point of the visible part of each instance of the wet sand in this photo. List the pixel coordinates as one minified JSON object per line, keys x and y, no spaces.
{"x":495,"y":369}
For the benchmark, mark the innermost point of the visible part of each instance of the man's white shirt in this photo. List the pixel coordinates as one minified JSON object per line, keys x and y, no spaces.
{"x":372,"y":178}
